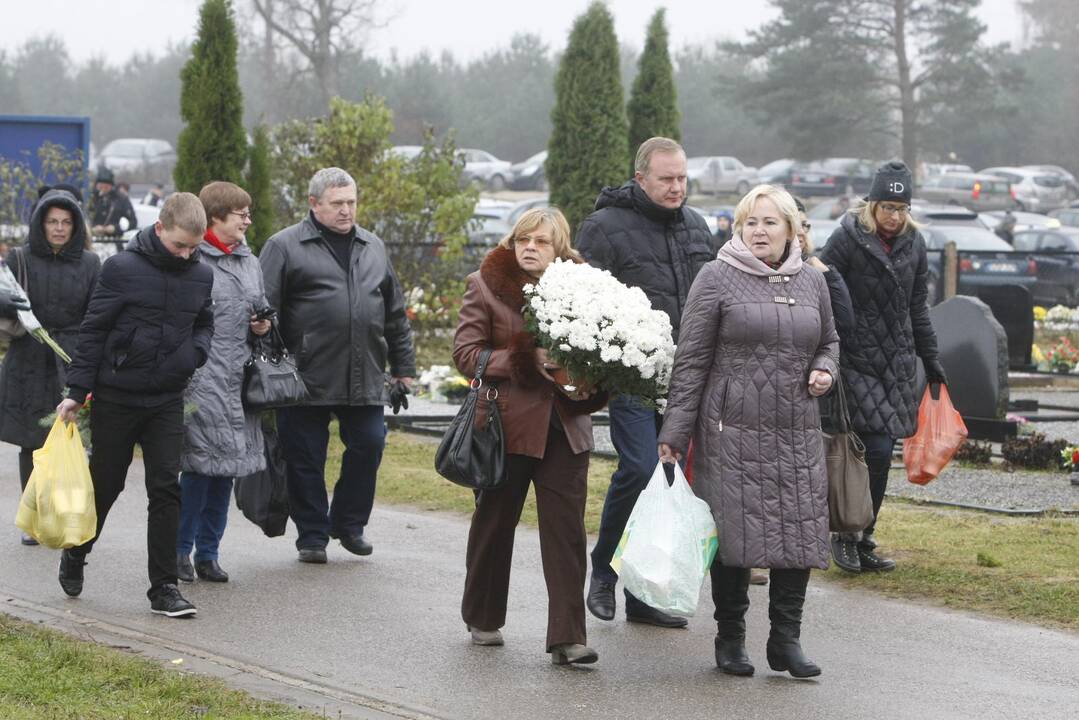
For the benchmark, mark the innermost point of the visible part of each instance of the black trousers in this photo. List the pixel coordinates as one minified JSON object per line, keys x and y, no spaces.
{"x":114,"y":431}
{"x":26,"y":465}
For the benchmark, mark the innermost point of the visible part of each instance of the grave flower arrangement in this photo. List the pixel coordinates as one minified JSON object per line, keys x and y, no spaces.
{"x":1063,"y":356}
{"x":1069,"y":458}
{"x":605,"y":334}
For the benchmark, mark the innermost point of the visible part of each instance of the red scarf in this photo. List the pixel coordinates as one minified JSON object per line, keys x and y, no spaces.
{"x":212,"y":239}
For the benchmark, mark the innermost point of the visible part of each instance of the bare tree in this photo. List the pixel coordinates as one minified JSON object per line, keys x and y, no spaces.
{"x":322,"y":31}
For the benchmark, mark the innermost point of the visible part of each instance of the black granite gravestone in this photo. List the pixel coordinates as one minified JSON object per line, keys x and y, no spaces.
{"x":1013,"y":308}
{"x":974,"y":352}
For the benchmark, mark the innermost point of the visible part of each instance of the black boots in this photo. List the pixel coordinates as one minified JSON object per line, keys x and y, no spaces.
{"x":787,"y":595}
{"x":730,"y":592}
{"x":845,"y":552}
{"x":869,"y":560}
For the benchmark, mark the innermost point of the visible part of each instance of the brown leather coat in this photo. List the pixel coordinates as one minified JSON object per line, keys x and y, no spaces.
{"x":491,"y":318}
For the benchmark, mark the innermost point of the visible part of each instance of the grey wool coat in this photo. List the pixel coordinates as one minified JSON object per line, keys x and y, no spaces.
{"x":739,"y":390}
{"x":220,"y":439}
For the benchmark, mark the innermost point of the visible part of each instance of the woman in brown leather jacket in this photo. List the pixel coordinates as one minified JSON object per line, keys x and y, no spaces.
{"x":548,"y":436}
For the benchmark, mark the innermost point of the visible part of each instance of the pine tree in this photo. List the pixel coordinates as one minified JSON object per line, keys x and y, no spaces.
{"x":653,"y":102}
{"x":212,"y":145}
{"x":588,"y":147}
{"x":259,"y":186}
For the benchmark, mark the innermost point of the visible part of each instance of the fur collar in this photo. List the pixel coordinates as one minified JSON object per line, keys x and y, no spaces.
{"x":504,"y":276}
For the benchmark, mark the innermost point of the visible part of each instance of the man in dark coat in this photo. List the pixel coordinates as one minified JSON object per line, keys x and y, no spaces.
{"x":342,"y":314}
{"x":147,"y":329}
{"x":108,"y":207}
{"x":645,"y":236}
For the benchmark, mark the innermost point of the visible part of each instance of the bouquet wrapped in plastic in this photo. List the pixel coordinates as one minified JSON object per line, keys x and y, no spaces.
{"x":26,"y":317}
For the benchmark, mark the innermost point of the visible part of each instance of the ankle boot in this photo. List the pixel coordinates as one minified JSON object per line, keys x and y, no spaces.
{"x":730,"y":592}
{"x":787,"y":594}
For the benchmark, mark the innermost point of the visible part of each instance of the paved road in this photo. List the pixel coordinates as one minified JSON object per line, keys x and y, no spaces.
{"x":382,"y":636}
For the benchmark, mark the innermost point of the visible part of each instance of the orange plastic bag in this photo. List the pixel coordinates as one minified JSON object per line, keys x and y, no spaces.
{"x":941,"y":432}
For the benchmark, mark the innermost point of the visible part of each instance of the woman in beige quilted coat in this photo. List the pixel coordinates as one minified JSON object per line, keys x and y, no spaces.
{"x":757,"y":346}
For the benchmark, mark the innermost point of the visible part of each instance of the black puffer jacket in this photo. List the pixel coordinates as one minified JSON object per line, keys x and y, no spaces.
{"x":647,"y":246}
{"x":343,"y":326}
{"x":148,"y":328}
{"x":891,"y":326}
{"x":59,"y":288}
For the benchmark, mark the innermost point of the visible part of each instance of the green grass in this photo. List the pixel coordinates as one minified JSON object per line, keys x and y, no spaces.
{"x":1021,"y":568}
{"x":47,"y":675}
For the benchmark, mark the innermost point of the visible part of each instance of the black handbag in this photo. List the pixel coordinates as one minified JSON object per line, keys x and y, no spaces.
{"x":850,"y":506}
{"x":271,"y":378}
{"x":263,"y":496}
{"x":470,"y":456}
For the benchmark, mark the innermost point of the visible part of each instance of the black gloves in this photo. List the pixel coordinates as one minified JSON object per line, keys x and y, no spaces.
{"x":398,"y":396}
{"x":10,"y":304}
{"x":934,"y":371}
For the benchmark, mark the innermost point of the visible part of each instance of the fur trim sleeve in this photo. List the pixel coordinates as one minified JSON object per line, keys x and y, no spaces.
{"x":522,"y":355}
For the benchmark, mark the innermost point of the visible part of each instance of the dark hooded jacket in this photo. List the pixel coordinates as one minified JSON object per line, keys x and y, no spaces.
{"x":891,"y":326}
{"x":59,"y":287}
{"x":646,"y":245}
{"x":148,"y":327}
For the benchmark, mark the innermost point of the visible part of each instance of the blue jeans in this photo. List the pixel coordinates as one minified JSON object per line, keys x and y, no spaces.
{"x":305,"y":434}
{"x":635,"y":433}
{"x":878,"y":458}
{"x":204,"y":511}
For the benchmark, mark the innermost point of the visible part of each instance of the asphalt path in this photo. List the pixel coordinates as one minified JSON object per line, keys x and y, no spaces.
{"x":381,"y":636}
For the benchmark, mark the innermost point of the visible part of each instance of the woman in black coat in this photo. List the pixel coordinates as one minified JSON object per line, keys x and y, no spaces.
{"x":881,"y":256}
{"x":58,"y":274}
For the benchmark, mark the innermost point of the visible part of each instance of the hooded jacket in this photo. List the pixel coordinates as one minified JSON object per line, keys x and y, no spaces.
{"x":739,"y":389}
{"x":891,"y":326}
{"x":59,"y":287}
{"x":646,"y":245}
{"x":149,"y":326}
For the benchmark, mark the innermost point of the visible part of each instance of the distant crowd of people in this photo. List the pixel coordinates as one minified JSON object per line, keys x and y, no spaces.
{"x":765,"y":328}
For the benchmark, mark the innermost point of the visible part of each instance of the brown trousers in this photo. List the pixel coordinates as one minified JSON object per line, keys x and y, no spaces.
{"x":561,"y":487}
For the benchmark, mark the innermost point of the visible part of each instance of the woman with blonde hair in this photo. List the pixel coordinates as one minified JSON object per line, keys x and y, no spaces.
{"x":757,"y":347}
{"x":881,"y":255}
{"x":548,"y":438}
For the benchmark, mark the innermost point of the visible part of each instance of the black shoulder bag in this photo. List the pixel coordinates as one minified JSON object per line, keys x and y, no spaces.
{"x":271,"y":378}
{"x":470,"y":456}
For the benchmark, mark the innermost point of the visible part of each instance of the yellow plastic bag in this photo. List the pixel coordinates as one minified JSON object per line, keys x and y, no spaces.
{"x":57,"y":506}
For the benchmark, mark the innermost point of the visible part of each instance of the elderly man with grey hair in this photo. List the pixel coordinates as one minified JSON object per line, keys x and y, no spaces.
{"x":342,"y":314}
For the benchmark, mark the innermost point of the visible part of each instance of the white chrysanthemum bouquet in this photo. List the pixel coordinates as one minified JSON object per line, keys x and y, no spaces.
{"x":604,"y":333}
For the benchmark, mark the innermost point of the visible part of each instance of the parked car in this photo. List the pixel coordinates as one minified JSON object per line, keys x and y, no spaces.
{"x":1023,"y":220}
{"x":406,"y":151}
{"x":928,"y":214}
{"x":1066,"y":216}
{"x":139,"y":159}
{"x":1070,"y":182}
{"x":1034,"y":189}
{"x":777,"y":172}
{"x":933,"y":169}
{"x":832,"y":176}
{"x":715,"y":175}
{"x":984,"y":261}
{"x":1056,"y":252}
{"x":973,"y":191}
{"x":832,"y":209}
{"x":483,"y":168}
{"x":530,"y":174}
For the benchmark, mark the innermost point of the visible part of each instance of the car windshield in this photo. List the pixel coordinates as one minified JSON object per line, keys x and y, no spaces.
{"x":970,"y":239}
{"x":124,"y":148}
{"x":776,"y":166}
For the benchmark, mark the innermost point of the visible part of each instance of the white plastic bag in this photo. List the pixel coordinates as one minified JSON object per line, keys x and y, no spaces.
{"x":668,"y":545}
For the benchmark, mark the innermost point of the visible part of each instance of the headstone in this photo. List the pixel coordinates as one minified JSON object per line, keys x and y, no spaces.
{"x":974,"y":351}
{"x":1013,"y":307}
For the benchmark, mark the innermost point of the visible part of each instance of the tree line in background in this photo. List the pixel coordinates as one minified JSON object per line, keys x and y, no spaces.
{"x":829,"y":82}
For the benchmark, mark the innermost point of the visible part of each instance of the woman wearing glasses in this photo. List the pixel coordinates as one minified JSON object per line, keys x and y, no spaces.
{"x":58,"y":273}
{"x":221,"y":441}
{"x":881,"y":256}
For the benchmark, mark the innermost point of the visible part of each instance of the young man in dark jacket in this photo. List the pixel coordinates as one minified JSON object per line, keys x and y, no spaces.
{"x":147,"y":328}
{"x":645,"y":236}
{"x":342,"y":315}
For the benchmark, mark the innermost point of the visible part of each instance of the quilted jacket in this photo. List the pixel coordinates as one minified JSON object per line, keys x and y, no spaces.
{"x":891,"y":326}
{"x":750,"y":336}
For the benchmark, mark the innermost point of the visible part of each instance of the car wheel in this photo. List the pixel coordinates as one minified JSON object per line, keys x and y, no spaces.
{"x":742,"y":189}
{"x":496,"y":183}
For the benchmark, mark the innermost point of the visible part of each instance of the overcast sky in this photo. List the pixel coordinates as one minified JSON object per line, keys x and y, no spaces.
{"x":116,"y":28}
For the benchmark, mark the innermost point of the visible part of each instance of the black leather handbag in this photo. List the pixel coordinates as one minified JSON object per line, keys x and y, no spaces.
{"x":470,"y":456}
{"x":271,"y":378}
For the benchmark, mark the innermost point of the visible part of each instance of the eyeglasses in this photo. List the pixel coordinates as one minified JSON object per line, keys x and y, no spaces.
{"x":894,"y":209}
{"x":525,"y":241}
{"x":244,"y":215}
{"x":806,"y":227}
{"x":59,"y":223}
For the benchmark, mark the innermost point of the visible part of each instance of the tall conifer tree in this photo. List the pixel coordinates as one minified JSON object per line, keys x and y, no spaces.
{"x":259,"y":186}
{"x":653,"y":101}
